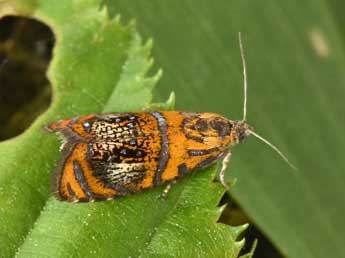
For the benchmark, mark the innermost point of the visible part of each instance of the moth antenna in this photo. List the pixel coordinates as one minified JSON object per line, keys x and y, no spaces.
{"x":245,"y":86}
{"x":273,"y":147}
{"x":244,"y":77}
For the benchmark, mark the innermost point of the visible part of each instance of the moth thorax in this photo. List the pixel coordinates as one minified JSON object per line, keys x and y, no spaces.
{"x":239,"y":131}
{"x":207,"y":125}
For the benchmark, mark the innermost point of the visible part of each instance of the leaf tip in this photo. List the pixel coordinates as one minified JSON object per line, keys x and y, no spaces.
{"x":171,"y":101}
{"x":149,"y":44}
{"x":117,"y":19}
{"x":133,"y":23}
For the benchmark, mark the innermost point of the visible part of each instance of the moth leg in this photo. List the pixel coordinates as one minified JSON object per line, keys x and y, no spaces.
{"x":224,"y":166}
{"x":167,"y":189}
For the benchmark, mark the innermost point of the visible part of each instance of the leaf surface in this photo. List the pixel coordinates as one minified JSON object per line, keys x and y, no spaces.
{"x":295,"y":57}
{"x":99,"y":65}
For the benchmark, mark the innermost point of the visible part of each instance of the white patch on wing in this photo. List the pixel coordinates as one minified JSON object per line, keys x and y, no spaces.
{"x":124,"y":173}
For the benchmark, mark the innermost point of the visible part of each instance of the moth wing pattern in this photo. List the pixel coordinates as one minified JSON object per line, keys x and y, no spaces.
{"x":74,"y":181}
{"x":117,"y":154}
{"x":104,"y":156}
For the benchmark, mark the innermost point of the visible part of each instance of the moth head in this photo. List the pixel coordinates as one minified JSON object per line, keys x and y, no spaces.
{"x":239,"y":131}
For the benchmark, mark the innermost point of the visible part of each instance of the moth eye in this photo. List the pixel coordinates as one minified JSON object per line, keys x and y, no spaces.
{"x":242,"y":135}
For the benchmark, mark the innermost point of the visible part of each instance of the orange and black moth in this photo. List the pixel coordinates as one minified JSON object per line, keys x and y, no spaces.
{"x":117,"y":154}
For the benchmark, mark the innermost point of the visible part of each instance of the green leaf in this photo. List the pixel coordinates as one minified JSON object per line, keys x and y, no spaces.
{"x":295,"y":57}
{"x":144,"y":225}
{"x":99,"y":65}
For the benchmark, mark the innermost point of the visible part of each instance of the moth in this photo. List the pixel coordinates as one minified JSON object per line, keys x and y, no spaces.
{"x":104,"y":156}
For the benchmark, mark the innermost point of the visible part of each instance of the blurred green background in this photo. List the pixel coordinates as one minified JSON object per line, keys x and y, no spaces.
{"x":295,"y":58}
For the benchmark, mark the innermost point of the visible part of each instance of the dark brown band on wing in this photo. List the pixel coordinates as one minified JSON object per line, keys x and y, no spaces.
{"x":202,"y":152}
{"x":164,"y":153}
{"x":208,"y":161}
{"x":79,"y":176}
{"x":182,"y":170}
{"x":186,"y":133}
{"x":71,"y":192}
